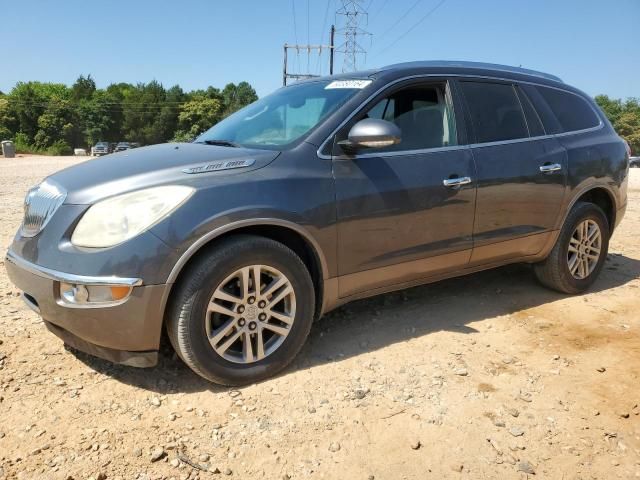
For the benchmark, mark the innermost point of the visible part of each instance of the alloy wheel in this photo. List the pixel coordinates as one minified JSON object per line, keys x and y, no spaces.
{"x":584,"y":249}
{"x":250,"y":314}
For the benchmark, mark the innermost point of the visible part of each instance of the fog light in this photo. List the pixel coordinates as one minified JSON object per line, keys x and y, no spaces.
{"x":118,"y":293}
{"x":93,"y":295}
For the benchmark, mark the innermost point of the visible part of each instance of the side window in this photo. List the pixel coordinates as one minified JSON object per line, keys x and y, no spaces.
{"x":571,"y":110}
{"x":533,"y":120}
{"x":383,"y":110}
{"x":495,"y":111}
{"x":424,"y":115}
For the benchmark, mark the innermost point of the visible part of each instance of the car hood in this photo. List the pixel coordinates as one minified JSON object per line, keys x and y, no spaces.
{"x":192,"y":164}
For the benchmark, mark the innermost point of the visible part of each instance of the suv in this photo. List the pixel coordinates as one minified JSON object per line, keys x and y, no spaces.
{"x":121,"y":146}
{"x":100,"y":148}
{"x":323,"y":192}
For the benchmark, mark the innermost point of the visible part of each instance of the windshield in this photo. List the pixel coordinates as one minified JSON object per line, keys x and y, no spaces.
{"x":284,"y":116}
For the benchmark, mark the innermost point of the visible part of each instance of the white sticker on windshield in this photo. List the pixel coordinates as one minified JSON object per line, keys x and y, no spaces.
{"x":348,"y":84}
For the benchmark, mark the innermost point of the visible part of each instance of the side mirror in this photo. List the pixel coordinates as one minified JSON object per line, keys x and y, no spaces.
{"x":371,"y":133}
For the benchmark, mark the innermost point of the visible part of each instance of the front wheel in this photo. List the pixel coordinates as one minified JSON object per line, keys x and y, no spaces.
{"x":579,"y":253}
{"x":243,"y":312}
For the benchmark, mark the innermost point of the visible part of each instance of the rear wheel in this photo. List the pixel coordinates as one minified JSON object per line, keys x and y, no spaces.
{"x":243,"y":312}
{"x":579,"y":253}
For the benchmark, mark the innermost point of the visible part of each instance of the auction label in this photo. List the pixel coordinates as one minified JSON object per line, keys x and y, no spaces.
{"x":359,"y":84}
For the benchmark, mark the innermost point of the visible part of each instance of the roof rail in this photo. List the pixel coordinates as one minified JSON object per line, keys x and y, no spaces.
{"x":477,"y":65}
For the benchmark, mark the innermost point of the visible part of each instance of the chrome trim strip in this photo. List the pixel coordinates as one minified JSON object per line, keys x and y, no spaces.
{"x":113,"y":303}
{"x":456,"y":182}
{"x":554,"y":167}
{"x":453,"y":147}
{"x":69,"y":277}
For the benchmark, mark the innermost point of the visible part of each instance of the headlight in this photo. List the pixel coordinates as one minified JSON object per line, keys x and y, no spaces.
{"x":120,"y":218}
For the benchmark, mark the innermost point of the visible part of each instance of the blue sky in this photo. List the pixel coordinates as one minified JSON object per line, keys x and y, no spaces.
{"x":592,"y":44}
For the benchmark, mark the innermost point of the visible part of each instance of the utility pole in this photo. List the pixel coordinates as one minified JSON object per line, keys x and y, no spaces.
{"x":286,"y":74}
{"x":354,"y":16}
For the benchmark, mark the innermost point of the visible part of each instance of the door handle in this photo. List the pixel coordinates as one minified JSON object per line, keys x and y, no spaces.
{"x":456,"y":182}
{"x":550,"y":167}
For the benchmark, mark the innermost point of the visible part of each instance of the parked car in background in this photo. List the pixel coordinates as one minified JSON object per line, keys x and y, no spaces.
{"x":634,"y":162}
{"x":134,"y":145}
{"x":326,"y":191}
{"x":121,"y":146}
{"x":100,"y":148}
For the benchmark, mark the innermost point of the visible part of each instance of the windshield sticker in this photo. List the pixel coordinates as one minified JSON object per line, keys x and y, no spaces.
{"x":214,"y":167}
{"x":359,"y":84}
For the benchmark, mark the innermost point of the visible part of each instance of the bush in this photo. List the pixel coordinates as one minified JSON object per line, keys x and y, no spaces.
{"x":59,"y":147}
{"x":22,"y":143}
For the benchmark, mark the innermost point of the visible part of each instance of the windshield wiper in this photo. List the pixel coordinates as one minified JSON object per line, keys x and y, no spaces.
{"x":221,"y":143}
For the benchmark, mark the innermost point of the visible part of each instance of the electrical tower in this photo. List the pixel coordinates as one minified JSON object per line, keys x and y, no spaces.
{"x":355,"y":17}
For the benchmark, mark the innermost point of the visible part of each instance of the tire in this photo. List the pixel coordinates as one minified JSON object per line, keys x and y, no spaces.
{"x":190,"y":325}
{"x":554,"y":272}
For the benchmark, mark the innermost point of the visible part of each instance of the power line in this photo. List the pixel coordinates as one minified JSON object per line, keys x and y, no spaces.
{"x":375,"y":15}
{"x":400,"y":19}
{"x":295,"y":27}
{"x":308,"y":36}
{"x":295,"y":31}
{"x":324,"y":24}
{"x":413,"y":27}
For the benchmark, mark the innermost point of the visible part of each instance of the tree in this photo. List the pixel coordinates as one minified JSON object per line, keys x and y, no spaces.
{"x":83,"y":89}
{"x":55,"y":124}
{"x":53,"y":118}
{"x":196,"y":116}
{"x":7,"y":120}
{"x":625,"y":118}
{"x":237,"y":96}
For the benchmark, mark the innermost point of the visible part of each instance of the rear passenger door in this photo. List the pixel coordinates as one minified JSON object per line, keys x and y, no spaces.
{"x":521,"y":173}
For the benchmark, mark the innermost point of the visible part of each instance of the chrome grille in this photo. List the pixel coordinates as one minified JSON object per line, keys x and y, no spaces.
{"x":40,"y":204}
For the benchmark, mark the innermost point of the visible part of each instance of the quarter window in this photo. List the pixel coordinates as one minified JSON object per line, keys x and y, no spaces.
{"x":495,"y":111}
{"x":571,"y":110}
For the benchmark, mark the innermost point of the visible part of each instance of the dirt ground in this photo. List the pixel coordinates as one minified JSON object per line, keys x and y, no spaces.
{"x":482,"y":377}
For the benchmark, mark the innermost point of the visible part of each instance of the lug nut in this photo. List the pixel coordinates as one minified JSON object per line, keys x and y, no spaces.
{"x":252,"y":326}
{"x":241,"y":322}
{"x":251,"y":300}
{"x":262,"y":316}
{"x":241,"y":309}
{"x":262,"y":304}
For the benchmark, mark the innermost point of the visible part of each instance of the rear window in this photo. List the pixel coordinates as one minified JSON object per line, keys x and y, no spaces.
{"x":571,"y":110}
{"x":495,"y":111}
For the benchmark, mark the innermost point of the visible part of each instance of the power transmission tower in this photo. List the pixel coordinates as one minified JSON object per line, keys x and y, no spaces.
{"x":354,"y":16}
{"x":286,"y":74}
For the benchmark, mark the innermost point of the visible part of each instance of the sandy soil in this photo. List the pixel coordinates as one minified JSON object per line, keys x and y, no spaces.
{"x":486,"y":376}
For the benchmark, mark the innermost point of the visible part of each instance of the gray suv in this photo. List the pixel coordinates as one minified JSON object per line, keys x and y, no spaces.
{"x":323,"y":192}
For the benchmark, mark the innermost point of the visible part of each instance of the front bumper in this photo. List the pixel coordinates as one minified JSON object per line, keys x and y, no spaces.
{"x":127,"y":333}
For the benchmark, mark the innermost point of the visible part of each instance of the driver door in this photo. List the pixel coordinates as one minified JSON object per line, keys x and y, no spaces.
{"x":397,"y":221}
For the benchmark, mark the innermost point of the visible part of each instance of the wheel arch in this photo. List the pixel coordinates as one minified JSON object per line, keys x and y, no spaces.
{"x":288,"y":233}
{"x":601,"y":196}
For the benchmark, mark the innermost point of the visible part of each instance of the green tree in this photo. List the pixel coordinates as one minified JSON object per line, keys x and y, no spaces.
{"x":196,"y":116}
{"x":7,"y":120}
{"x":625,"y":118}
{"x":56,"y":124}
{"x":238,"y":96}
{"x":53,"y":118}
{"x":83,"y":89}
